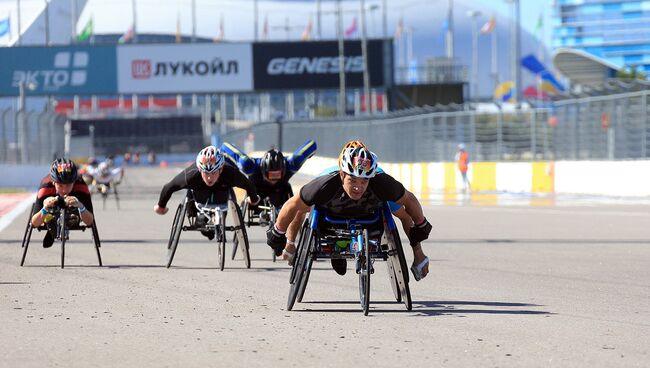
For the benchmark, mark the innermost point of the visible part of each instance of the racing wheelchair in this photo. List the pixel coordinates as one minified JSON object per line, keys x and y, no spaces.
{"x":62,"y":220}
{"x":104,"y":189}
{"x":364,"y":240}
{"x":264,"y":215}
{"x":213,"y":218}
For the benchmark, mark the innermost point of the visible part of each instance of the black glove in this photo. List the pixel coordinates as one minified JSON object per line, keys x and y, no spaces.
{"x":276,"y":240}
{"x":419,"y":232}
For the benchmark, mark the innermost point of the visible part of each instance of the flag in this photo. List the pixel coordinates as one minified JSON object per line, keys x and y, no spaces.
{"x":5,"y":26}
{"x":531,"y":63}
{"x":178,"y":28}
{"x":352,"y":29}
{"x":488,"y":27}
{"x":306,"y":34}
{"x":400,"y":28}
{"x":504,"y":92}
{"x":220,"y":36}
{"x":265,"y":29}
{"x":128,"y":35}
{"x":86,"y":32}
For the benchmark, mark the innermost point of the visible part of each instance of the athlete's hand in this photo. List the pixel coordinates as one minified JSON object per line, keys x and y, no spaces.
{"x":160,"y":210}
{"x":72,"y":201}
{"x":49,"y":203}
{"x":276,"y":240}
{"x":253,"y":201}
{"x":419,"y":232}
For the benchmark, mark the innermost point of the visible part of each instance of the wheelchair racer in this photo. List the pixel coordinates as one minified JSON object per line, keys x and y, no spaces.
{"x":357,"y":190}
{"x":104,"y":175}
{"x":63,"y":181}
{"x":211,"y":181}
{"x":271,"y":173}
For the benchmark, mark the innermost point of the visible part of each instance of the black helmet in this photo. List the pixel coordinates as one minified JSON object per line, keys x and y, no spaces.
{"x":63,"y":171}
{"x":273,"y":164}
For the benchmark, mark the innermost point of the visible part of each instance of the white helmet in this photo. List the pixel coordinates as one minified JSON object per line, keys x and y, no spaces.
{"x":209,"y":160}
{"x":359,"y":162}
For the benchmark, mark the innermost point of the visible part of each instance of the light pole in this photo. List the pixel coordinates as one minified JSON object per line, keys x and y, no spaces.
{"x":339,"y":35}
{"x":22,"y":119}
{"x":474,"y":14}
{"x":372,"y":9}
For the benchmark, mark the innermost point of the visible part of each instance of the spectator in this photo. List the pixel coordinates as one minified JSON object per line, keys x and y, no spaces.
{"x":462,"y":159}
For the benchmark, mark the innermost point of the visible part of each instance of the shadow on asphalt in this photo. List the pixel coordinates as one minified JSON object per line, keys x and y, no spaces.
{"x":540,"y":241}
{"x":427,"y":308}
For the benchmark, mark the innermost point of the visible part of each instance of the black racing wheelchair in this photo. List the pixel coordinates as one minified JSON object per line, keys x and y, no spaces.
{"x":105,"y":189}
{"x":60,"y":221}
{"x":263,"y":215}
{"x":211,"y":218}
{"x":364,"y":240}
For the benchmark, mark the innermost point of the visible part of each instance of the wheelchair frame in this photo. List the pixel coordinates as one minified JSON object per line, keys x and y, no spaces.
{"x":389,"y":248}
{"x":219,"y":226}
{"x":62,"y":235}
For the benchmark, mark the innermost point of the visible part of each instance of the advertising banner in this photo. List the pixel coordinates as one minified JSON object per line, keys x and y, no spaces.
{"x":188,"y":68}
{"x":58,"y":70}
{"x":315,"y":65}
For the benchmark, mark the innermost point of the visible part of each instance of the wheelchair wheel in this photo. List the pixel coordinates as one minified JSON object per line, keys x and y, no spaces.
{"x":97,"y":242}
{"x":300,"y":267}
{"x":117,"y":197}
{"x":240,"y":233}
{"x":62,"y":235}
{"x":28,"y":235}
{"x":235,"y":240}
{"x":364,"y":275}
{"x":305,"y":278}
{"x":176,"y":215}
{"x":401,"y":272}
{"x":393,"y":280}
{"x":177,"y":228}
{"x":222,"y":242}
{"x":301,"y":235}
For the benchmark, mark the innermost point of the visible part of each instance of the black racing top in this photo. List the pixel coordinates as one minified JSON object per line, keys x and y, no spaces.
{"x":327,"y":192}
{"x":265,"y":188}
{"x":79,"y":190}
{"x":190,"y":178}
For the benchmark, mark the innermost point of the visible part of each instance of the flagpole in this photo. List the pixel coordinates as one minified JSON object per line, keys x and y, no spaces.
{"x":450,"y":30}
{"x":339,"y":34}
{"x":18,"y":42}
{"x":47,"y":22}
{"x":318,"y":20}
{"x":194,"y":20}
{"x":364,"y":55}
{"x":255,"y":30}
{"x":135,"y":22}
{"x":384,"y":20}
{"x":495,"y":73}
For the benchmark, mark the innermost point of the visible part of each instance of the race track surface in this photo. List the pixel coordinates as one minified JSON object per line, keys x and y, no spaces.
{"x":510,"y":286}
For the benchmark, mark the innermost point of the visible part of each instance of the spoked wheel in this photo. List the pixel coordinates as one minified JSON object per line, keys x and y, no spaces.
{"x":97,"y":242}
{"x":300,"y":267}
{"x":222,"y":241}
{"x":364,"y":275}
{"x":400,"y":268}
{"x":177,"y":228}
{"x":171,"y":235}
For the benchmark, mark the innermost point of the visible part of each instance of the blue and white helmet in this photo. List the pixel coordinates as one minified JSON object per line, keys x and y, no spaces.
{"x":359,"y":162}
{"x":209,"y":160}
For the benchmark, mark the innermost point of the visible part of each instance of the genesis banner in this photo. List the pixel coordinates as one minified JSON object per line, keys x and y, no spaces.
{"x":315,"y":65}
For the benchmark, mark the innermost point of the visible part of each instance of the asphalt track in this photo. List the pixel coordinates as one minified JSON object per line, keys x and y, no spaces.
{"x":510,"y":286}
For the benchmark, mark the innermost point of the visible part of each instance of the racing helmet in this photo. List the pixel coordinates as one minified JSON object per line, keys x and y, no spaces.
{"x":209,"y":160}
{"x":351,"y":144}
{"x":63,"y":171}
{"x":359,"y":162}
{"x":273,"y":165}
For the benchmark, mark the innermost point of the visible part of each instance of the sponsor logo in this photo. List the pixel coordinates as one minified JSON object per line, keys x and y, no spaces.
{"x":141,"y":69}
{"x":313,"y":65}
{"x":68,"y":70}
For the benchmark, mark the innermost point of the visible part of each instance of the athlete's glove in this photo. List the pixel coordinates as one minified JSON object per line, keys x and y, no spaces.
{"x":276,"y":240}
{"x":419,"y":232}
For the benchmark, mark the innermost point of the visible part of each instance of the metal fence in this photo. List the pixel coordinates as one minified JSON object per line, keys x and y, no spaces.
{"x":614,"y":127}
{"x":596,"y":128}
{"x":33,"y":137}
